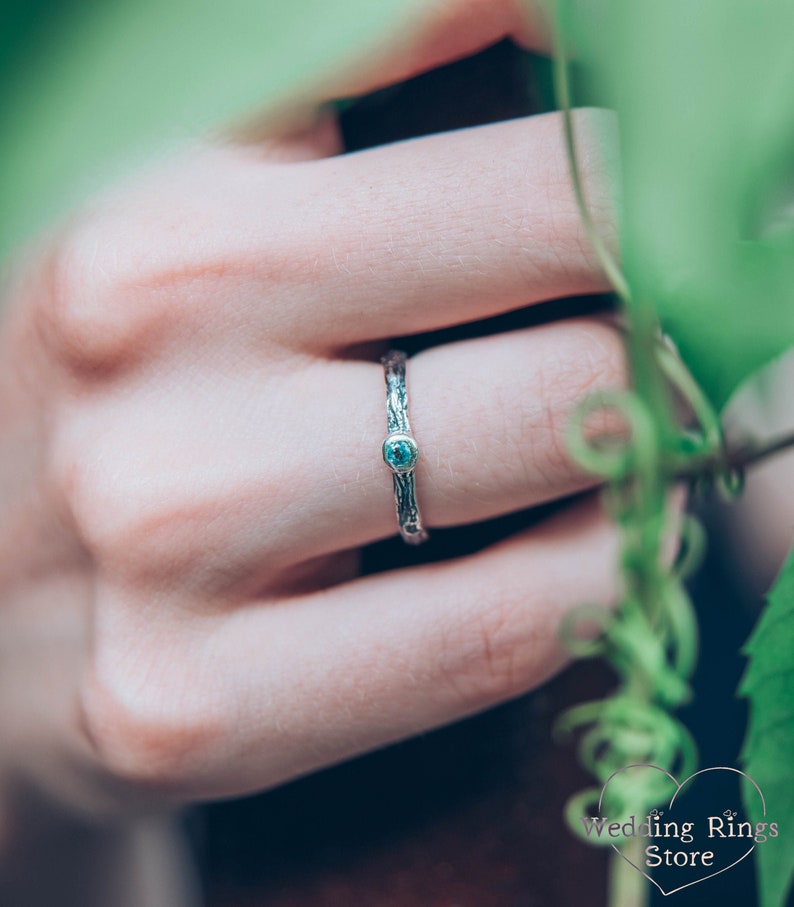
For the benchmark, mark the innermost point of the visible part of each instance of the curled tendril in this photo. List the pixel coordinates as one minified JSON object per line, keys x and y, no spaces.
{"x":680,"y":627}
{"x":614,"y":458}
{"x":730,"y":483}
{"x":706,"y":445}
{"x":650,"y":640}
{"x":692,"y":546}
{"x":584,"y":645}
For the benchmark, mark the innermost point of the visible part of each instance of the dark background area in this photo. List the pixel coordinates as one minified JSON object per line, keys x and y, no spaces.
{"x":469,"y":815}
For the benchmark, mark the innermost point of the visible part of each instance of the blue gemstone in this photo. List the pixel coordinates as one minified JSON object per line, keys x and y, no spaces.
{"x":400,"y":453}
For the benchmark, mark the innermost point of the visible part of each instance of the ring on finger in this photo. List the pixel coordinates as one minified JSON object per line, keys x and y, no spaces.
{"x":400,"y":450}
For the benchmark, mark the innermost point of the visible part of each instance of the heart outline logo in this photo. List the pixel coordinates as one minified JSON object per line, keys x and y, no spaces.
{"x":678,"y":788}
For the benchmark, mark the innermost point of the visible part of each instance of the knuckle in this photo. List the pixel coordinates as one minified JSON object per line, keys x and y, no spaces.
{"x":143,"y":730}
{"x":590,"y":360}
{"x":485,"y":656}
{"x":142,"y":516}
{"x":97,"y":311}
{"x":124,"y":521}
{"x":100,"y":503}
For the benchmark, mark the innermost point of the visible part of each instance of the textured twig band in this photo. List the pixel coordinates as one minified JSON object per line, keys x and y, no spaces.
{"x":400,"y":451}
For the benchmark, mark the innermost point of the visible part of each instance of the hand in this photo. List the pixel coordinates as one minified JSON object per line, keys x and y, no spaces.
{"x":191,"y":455}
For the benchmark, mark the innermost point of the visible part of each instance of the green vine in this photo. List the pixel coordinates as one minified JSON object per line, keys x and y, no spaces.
{"x":671,"y":434}
{"x":650,"y":639}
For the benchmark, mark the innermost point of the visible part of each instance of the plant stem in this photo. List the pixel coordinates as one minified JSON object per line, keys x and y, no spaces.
{"x":738,"y":456}
{"x":642,"y":516}
{"x":563,"y":98}
{"x":753,"y":452}
{"x":627,"y":886}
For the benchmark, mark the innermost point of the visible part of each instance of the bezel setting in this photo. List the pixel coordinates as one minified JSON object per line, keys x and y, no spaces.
{"x":400,"y":453}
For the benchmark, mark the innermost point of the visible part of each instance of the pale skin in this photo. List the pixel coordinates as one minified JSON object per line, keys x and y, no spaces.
{"x":192,"y":414}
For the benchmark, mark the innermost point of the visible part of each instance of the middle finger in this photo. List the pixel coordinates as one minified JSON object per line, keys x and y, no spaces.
{"x":401,"y":239}
{"x":449,"y":228}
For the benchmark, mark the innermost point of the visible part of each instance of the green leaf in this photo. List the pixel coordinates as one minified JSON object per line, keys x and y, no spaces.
{"x":703,"y":92}
{"x":768,"y":753}
{"x":99,"y":85}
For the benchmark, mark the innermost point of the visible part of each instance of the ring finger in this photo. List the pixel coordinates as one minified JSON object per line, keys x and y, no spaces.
{"x":489,"y":415}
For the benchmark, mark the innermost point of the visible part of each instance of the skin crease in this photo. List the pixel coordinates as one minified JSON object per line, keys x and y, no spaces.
{"x":180,"y":615}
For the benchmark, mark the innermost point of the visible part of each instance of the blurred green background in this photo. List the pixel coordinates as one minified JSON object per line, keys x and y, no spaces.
{"x":90,"y":87}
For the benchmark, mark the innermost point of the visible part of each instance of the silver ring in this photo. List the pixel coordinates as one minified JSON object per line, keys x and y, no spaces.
{"x":400,"y":450}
